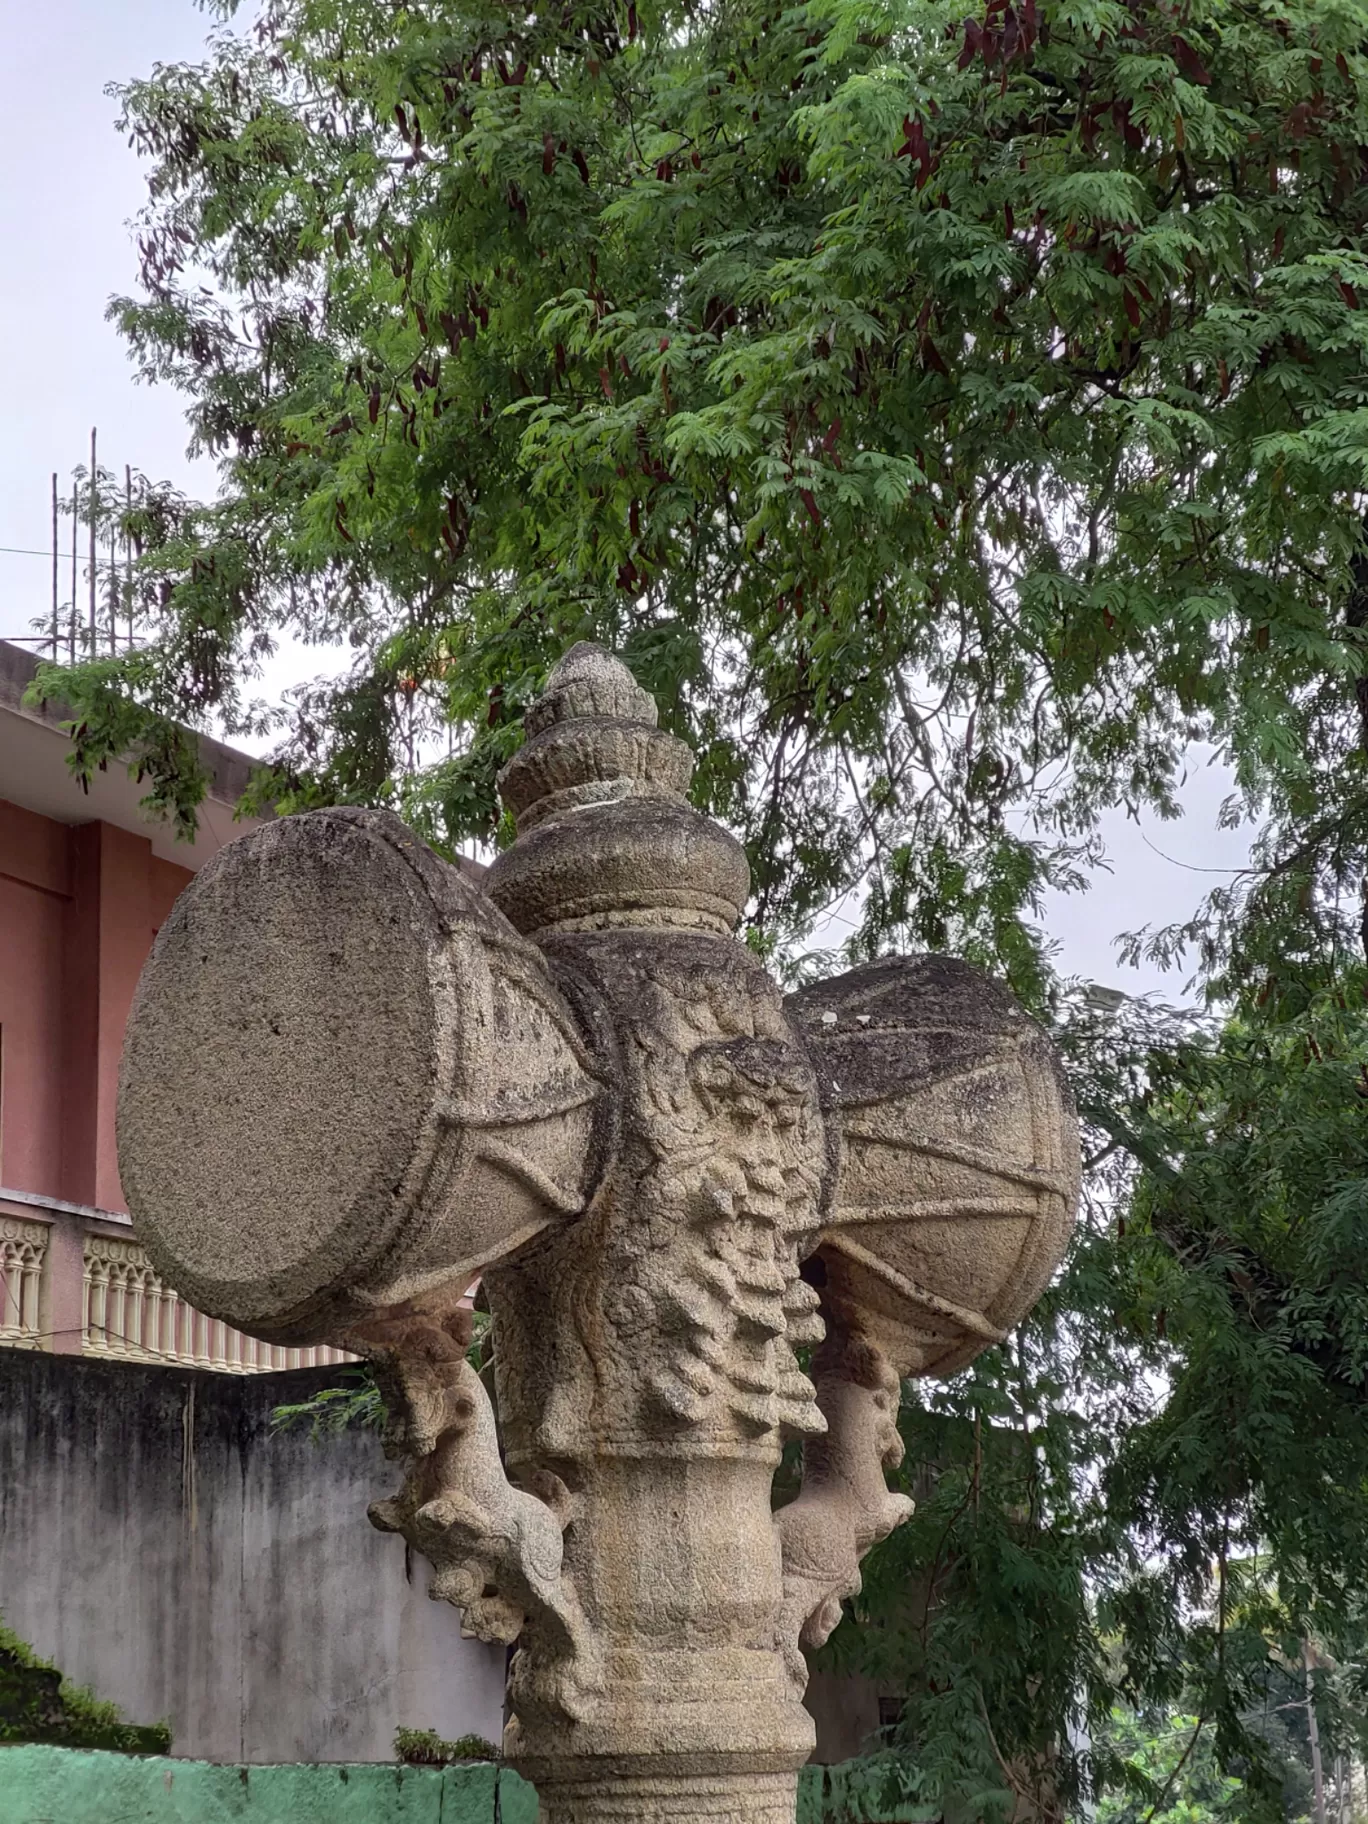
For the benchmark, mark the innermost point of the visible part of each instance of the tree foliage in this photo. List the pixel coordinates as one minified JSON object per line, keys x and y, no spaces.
{"x":952,"y":419}
{"x":1172,"y":1773}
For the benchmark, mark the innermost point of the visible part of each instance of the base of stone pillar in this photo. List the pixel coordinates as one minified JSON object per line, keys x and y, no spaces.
{"x":724,"y":1798}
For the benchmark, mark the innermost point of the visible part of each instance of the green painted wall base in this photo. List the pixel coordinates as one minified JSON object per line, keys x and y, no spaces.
{"x":42,"y":1785}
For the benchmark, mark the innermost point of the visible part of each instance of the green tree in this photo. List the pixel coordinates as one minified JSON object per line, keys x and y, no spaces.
{"x":1171,"y":1773}
{"x":952,"y":420}
{"x":950,"y":417}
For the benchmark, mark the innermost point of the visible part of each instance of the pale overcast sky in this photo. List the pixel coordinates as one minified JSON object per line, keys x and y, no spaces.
{"x":68,"y":188}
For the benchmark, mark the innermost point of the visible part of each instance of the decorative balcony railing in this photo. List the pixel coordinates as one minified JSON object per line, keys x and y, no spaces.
{"x":23,"y":1248}
{"x":127,"y":1312}
{"x":130,"y":1313}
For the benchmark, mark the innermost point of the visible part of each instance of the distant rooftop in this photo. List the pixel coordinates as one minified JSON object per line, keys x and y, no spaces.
{"x":34,"y":774}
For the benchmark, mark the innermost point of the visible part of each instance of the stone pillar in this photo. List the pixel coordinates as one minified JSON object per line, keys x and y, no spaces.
{"x":675,"y":1183}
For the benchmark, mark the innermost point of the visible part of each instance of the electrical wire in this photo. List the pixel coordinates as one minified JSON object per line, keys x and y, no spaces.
{"x":101,"y":563}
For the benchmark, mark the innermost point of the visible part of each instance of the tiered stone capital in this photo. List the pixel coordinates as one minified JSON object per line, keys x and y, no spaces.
{"x":606,"y":835}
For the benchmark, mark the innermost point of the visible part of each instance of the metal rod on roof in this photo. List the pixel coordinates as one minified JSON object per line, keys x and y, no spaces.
{"x":113,"y":588}
{"x":72,"y":628}
{"x":94,"y":561}
{"x":55,"y":586}
{"x":128,"y":549}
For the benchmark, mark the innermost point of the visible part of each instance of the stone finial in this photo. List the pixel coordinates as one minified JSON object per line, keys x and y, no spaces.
{"x":589,"y":681}
{"x":606,"y":835}
{"x":592,"y":740}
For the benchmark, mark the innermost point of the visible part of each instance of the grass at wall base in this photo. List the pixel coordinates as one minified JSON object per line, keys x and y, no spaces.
{"x":38,"y":1705}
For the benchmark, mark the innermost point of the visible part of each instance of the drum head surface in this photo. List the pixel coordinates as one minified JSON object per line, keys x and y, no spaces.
{"x":959,"y":1163}
{"x":281,"y":1063}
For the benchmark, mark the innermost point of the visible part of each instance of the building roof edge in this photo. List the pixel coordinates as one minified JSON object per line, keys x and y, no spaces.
{"x":228,"y":769}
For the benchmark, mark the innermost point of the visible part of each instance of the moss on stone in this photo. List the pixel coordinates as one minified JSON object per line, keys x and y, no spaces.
{"x":38,"y":1705}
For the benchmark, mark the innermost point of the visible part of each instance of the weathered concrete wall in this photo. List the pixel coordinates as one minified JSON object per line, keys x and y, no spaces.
{"x":160,"y":1546}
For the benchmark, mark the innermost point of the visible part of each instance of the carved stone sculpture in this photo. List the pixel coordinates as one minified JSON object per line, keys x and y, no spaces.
{"x":707,"y":1219}
{"x":844,"y":1505}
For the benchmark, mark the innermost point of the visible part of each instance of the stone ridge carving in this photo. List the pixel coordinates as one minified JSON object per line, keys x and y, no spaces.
{"x":353,"y":1082}
{"x":677,"y":1310}
{"x":496,"y":1549}
{"x":658,"y":864}
{"x":579,"y":763}
{"x":844,"y":1506}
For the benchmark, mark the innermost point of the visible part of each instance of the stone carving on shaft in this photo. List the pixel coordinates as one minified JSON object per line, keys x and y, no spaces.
{"x":496,"y":1550}
{"x":844,"y":1506}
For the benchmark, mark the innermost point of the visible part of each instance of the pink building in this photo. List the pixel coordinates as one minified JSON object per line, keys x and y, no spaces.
{"x":85,"y":881}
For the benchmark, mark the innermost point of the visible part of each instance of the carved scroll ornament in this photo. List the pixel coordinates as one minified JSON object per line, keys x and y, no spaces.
{"x":677,"y":1185}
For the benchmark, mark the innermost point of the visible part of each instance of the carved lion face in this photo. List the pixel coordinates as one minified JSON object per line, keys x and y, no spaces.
{"x":714,"y":1196}
{"x":755,"y":1194}
{"x":733,"y":1206}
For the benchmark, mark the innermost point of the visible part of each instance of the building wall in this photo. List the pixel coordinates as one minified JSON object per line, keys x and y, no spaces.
{"x":161,"y":1546}
{"x":79,"y":907}
{"x":32,"y":921}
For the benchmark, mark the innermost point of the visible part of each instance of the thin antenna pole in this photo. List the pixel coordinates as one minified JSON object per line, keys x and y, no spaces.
{"x":113,"y":589}
{"x":72,"y":624}
{"x":93,"y":557}
{"x":55,"y":585}
{"x":128,"y":549}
